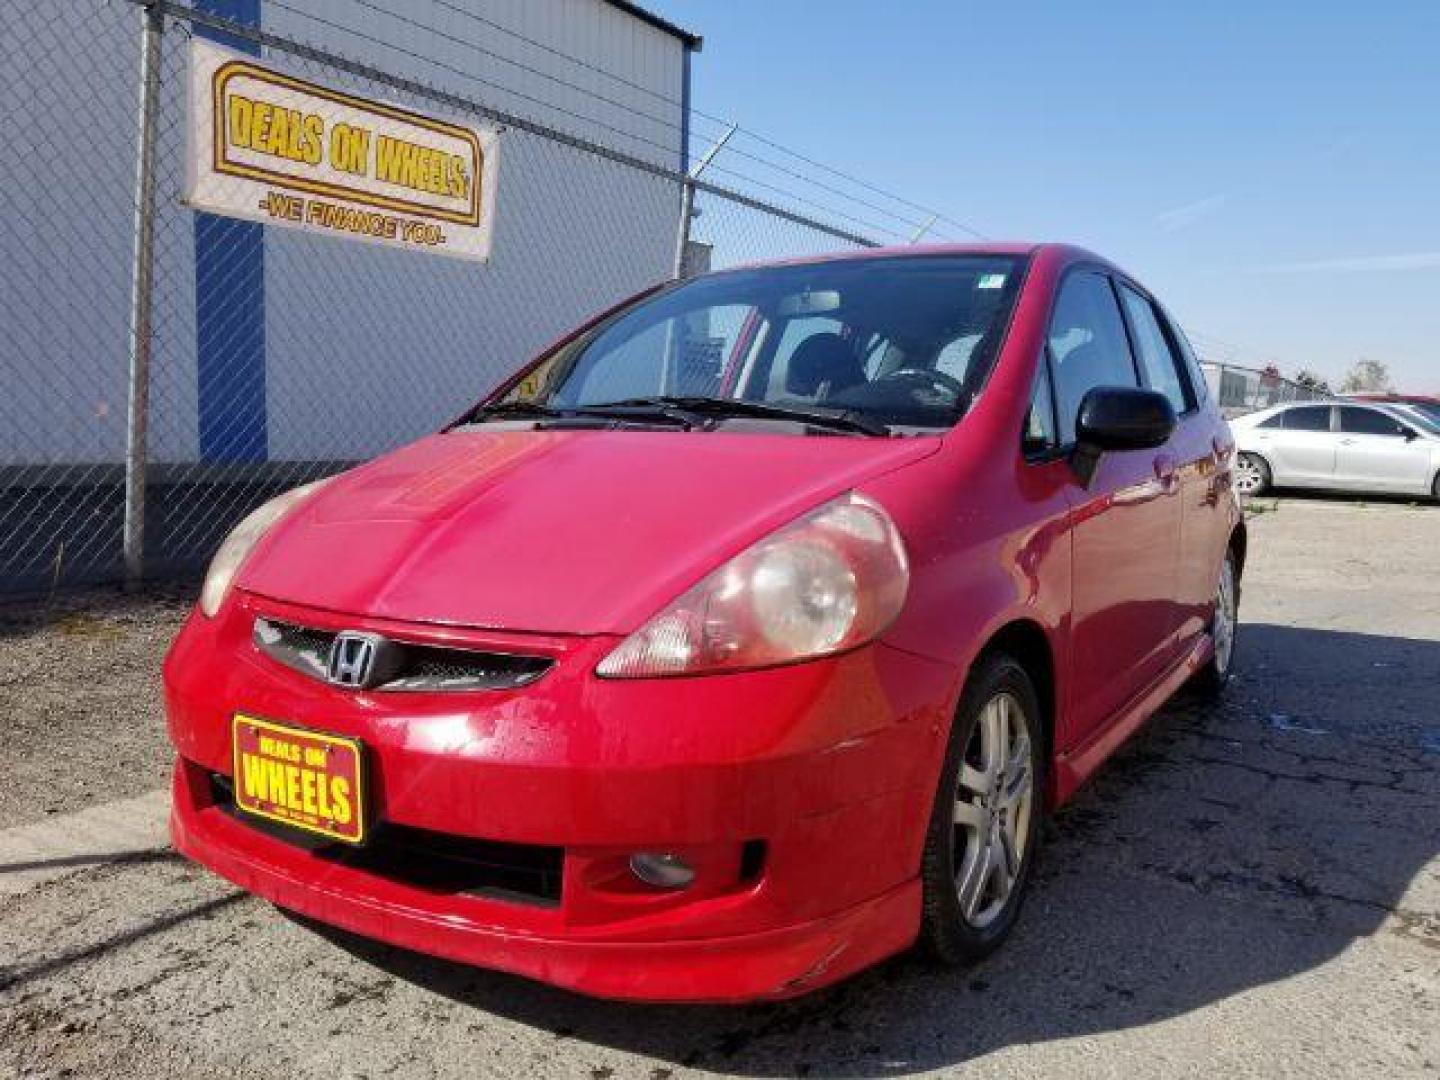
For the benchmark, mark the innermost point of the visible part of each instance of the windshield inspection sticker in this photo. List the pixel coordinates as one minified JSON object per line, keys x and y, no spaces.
{"x":991,"y":281}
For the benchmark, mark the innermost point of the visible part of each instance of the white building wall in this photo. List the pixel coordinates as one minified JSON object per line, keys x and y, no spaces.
{"x":66,"y":173}
{"x":574,"y":233}
{"x":365,"y":347}
{"x":442,"y":43}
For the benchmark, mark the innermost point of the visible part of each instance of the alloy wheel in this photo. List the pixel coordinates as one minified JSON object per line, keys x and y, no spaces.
{"x":994,"y":808}
{"x":1249,"y":477}
{"x":1222,"y":627}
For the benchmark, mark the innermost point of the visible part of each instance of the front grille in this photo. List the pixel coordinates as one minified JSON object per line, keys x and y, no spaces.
{"x":439,"y":863}
{"x":416,"y":667}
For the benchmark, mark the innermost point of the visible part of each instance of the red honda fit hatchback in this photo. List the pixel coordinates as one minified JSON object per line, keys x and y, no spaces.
{"x":736,"y":643}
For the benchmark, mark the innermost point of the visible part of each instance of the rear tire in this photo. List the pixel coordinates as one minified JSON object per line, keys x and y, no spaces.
{"x":1252,"y":475}
{"x":1210,"y":681}
{"x":983,"y":827}
{"x":1435,"y":488}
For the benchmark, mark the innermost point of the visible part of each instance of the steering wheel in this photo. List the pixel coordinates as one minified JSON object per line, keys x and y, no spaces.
{"x":947,"y":385}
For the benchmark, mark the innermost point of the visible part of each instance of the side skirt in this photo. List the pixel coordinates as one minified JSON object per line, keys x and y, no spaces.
{"x":1076,"y":766}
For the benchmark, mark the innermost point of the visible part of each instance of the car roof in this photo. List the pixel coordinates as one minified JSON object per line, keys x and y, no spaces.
{"x":1012,"y":248}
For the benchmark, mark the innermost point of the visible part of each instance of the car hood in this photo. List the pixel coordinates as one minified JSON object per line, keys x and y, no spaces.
{"x":573,"y":532}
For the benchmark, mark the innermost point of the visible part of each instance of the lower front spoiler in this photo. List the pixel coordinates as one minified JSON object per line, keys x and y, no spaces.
{"x":781,"y":963}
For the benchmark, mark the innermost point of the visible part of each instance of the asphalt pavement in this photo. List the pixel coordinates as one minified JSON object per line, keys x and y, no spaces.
{"x":1249,"y":889}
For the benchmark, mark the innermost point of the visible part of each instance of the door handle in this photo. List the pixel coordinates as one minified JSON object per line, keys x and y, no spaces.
{"x":1347,"y":442}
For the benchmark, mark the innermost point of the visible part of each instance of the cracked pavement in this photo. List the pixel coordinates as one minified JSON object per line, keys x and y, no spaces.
{"x":1249,"y":889}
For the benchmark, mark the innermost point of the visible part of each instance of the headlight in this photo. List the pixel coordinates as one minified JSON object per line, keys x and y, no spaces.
{"x":241,"y":540}
{"x":832,"y":580}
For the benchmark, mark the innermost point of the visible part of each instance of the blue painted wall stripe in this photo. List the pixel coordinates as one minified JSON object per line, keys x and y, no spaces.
{"x":230,"y":304}
{"x":685,"y":111}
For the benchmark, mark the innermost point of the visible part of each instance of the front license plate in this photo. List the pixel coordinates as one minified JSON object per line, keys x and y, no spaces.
{"x":305,"y":779}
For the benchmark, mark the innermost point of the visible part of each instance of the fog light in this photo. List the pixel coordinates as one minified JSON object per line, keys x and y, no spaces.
{"x":662,"y":869}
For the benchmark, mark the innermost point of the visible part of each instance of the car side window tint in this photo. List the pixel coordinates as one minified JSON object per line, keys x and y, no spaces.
{"x":1358,"y":421}
{"x":1157,"y":359}
{"x":1039,"y":435}
{"x":1088,"y":345}
{"x":1308,"y":418}
{"x":1278,"y":420}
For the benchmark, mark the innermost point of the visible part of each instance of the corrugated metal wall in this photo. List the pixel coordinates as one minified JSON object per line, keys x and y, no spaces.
{"x":67,"y":233}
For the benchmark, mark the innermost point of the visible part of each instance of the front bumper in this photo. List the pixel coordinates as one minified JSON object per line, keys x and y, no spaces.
{"x":827,"y":768}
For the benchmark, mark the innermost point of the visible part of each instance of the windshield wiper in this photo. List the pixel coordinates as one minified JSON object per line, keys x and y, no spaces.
{"x":813,"y":415}
{"x":675,"y":411}
{"x":519,"y":409}
{"x":640,"y":412}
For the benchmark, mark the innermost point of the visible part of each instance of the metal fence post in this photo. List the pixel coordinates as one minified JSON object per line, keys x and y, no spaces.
{"x":687,"y":200}
{"x":142,"y":279}
{"x":682,"y":233}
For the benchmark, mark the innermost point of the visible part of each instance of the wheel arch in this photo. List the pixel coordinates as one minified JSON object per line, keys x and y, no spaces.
{"x":1239,"y":543}
{"x":1026,"y":642}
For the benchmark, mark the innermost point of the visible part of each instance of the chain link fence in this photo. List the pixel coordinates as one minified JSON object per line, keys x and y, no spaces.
{"x":1241,"y":390}
{"x":167,"y":370}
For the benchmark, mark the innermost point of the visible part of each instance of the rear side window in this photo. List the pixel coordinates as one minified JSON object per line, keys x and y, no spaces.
{"x":1278,"y":420}
{"x":1088,"y":345}
{"x":1308,"y":418}
{"x":1157,"y":359}
{"x":1198,"y":386}
{"x":1369,"y":422}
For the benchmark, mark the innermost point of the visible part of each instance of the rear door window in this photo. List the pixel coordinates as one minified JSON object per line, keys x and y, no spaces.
{"x":1308,"y":418}
{"x":1198,"y":384}
{"x":1088,"y":344}
{"x":1357,"y":421}
{"x":1157,"y":359}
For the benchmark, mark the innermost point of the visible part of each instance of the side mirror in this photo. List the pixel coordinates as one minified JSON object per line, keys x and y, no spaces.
{"x":1117,"y":418}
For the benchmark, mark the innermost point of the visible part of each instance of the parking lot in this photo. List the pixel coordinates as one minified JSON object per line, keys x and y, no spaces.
{"x":1251,"y":889}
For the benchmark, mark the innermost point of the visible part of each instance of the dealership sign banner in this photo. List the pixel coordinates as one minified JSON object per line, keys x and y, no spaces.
{"x":267,"y":146}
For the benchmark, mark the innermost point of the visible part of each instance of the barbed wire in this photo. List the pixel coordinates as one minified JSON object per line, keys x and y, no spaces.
{"x":910,"y":225}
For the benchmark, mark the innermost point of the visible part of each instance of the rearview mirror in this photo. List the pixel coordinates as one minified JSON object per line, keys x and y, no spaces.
{"x":809,"y":302}
{"x":1117,"y":418}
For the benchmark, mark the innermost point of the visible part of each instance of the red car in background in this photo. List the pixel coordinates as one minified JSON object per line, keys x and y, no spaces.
{"x":736,"y":643}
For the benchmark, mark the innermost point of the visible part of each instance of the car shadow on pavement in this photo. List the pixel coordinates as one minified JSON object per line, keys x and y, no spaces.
{"x":1224,"y":848}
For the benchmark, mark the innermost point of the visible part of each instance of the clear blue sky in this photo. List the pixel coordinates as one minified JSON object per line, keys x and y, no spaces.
{"x":1271,"y":170}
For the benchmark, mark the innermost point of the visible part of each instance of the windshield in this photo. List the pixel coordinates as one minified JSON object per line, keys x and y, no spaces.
{"x":897,"y":342}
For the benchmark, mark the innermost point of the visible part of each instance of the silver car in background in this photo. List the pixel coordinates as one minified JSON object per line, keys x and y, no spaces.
{"x":1344,"y":446}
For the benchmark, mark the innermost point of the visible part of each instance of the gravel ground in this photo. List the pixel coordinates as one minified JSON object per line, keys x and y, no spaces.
{"x":80,"y":698}
{"x":1250,"y":889}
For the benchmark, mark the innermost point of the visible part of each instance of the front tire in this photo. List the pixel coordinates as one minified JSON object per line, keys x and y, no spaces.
{"x":985,"y":821}
{"x":1211,"y":680}
{"x":1252,"y":475}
